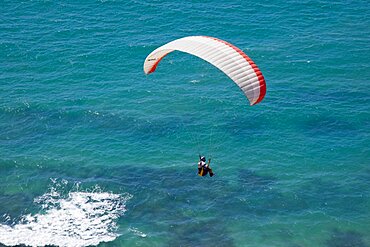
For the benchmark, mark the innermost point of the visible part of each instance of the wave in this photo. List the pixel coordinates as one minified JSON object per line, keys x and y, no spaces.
{"x":74,"y":219}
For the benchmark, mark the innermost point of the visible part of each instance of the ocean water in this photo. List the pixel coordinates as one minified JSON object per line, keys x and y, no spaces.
{"x":95,"y":152}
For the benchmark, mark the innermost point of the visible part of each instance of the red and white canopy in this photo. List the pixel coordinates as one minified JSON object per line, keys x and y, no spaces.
{"x":223,"y":55}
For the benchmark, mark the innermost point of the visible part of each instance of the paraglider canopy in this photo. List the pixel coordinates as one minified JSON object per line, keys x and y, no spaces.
{"x":223,"y":55}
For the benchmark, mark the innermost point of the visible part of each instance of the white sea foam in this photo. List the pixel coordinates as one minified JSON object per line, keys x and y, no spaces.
{"x":136,"y":232}
{"x":76,"y":219}
{"x":194,"y":81}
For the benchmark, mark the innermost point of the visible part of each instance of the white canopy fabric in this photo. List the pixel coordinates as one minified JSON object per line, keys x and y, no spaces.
{"x":223,"y":55}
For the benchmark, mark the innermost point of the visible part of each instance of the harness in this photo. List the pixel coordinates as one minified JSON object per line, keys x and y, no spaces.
{"x":203,"y":169}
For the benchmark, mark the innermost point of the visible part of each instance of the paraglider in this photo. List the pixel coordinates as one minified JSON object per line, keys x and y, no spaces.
{"x":223,"y":55}
{"x":203,"y":167}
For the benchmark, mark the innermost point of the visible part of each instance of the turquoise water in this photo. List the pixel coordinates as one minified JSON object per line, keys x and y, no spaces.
{"x":81,"y":124}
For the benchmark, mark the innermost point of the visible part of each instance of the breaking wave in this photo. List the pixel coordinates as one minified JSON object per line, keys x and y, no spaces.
{"x":75,"y":218}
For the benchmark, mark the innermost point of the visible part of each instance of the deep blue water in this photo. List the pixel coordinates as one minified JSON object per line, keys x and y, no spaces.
{"x":93,"y":151}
